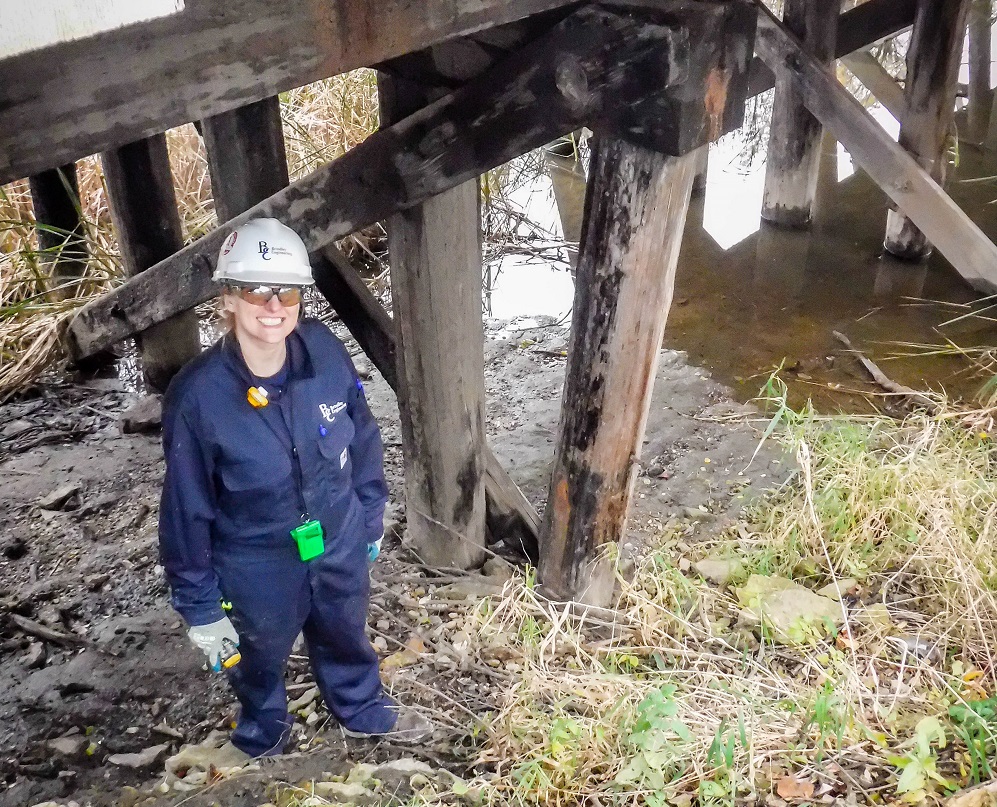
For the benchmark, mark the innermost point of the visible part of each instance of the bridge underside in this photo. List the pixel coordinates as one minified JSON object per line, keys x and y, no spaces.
{"x":465,"y":87}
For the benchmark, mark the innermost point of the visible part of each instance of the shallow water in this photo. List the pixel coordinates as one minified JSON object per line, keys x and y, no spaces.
{"x":750,"y":297}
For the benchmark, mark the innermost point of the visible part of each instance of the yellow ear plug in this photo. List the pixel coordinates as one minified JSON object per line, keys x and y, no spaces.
{"x":257,"y":397}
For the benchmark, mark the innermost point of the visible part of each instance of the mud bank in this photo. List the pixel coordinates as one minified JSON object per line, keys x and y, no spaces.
{"x":95,"y":665}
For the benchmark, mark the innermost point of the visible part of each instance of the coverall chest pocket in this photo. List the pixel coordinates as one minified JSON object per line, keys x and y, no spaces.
{"x":266,"y":472}
{"x":334,"y":445}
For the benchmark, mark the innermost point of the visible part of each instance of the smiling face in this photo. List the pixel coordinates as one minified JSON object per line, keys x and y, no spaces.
{"x":260,"y":325}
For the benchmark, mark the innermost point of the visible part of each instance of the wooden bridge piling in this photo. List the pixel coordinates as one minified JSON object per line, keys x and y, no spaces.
{"x":247,"y":160}
{"x":891,"y":167}
{"x":932,"y":68}
{"x":55,"y":197}
{"x":434,"y":252}
{"x":794,"y":139}
{"x":147,"y":224}
{"x":980,"y":64}
{"x":636,"y":205}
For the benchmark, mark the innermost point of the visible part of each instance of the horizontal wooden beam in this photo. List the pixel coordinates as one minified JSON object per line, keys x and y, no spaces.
{"x":946,"y":226}
{"x":508,"y":513}
{"x":588,"y":68}
{"x":73,"y":99}
{"x":862,"y":26}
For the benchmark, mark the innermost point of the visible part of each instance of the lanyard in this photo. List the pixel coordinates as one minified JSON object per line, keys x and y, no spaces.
{"x":286,"y":442}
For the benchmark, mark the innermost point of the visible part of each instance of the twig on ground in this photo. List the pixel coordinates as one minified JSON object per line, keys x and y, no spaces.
{"x":885,"y":381}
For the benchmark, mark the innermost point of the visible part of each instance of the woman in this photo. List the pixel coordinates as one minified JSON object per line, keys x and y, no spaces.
{"x":273,"y":500}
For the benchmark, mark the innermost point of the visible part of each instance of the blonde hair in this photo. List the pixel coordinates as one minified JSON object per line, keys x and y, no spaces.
{"x":226,"y":319}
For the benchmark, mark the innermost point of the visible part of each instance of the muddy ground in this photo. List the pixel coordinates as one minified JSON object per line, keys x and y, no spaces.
{"x":95,"y":666}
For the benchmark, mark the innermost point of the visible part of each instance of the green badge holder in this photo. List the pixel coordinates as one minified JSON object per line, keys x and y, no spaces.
{"x":310,"y":539}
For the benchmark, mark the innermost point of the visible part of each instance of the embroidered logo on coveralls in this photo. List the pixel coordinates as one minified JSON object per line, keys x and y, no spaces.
{"x":329,"y":412}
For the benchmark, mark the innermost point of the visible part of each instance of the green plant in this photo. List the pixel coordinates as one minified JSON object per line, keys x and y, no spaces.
{"x":919,"y":766}
{"x":659,"y":743}
{"x":975,"y":723}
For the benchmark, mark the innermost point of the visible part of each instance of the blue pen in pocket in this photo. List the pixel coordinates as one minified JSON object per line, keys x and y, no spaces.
{"x":322,"y":430}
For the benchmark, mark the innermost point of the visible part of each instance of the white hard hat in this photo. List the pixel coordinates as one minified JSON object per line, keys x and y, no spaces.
{"x":264,"y":251}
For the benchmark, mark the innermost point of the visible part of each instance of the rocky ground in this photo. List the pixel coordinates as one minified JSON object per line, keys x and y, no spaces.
{"x":99,"y":689}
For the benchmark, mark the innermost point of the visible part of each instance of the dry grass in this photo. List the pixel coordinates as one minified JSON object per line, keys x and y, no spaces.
{"x":321,"y":121}
{"x":672,"y":698}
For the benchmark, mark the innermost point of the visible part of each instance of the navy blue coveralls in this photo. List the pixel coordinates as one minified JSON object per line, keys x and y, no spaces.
{"x":238,"y":480}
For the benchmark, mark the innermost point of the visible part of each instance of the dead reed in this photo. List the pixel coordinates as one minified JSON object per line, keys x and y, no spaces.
{"x":321,"y":121}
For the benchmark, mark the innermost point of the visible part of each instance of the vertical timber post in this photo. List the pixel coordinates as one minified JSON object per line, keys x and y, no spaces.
{"x":636,"y":207}
{"x":794,"y":138}
{"x":246,"y":156}
{"x":55,"y":196}
{"x":980,"y":96}
{"x":146,"y":221}
{"x":435,"y":255}
{"x":932,"y":67}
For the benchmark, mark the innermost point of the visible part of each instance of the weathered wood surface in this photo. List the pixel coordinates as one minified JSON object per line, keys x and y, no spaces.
{"x":929,"y":91}
{"x":865,"y":67}
{"x":247,"y":160}
{"x":434,"y":251}
{"x":510,"y":516}
{"x":980,"y":56}
{"x":147,"y":225}
{"x":858,"y":28}
{"x":795,"y":134}
{"x":64,"y":102}
{"x":55,"y":197}
{"x":965,"y":246}
{"x":588,"y":67}
{"x":635,"y":213}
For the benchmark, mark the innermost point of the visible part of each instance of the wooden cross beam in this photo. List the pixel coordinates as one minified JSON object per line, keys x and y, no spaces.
{"x":72,"y":99}
{"x":591,"y":69}
{"x":946,"y":226}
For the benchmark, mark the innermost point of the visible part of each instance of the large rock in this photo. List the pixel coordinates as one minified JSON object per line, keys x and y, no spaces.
{"x":71,"y":747}
{"x":205,"y":756}
{"x":146,"y":415}
{"x":64,"y":497}
{"x":790,"y":613}
{"x":837,"y":589}
{"x":720,"y":570}
{"x":143,"y":759}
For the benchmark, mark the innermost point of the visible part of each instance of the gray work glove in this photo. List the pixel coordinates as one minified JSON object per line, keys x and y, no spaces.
{"x":211,"y":639}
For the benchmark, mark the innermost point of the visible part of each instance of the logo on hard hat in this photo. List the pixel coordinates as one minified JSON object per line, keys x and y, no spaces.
{"x":230,"y":242}
{"x":264,"y":251}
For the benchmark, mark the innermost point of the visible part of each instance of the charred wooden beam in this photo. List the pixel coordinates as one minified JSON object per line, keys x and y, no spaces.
{"x":69,"y":100}
{"x":247,"y":161}
{"x":434,"y":250}
{"x":636,"y":206}
{"x":509,"y":514}
{"x":972,"y":254}
{"x":55,"y":197}
{"x":795,"y":134}
{"x":929,"y":92}
{"x":148,"y":228}
{"x":588,"y":70}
